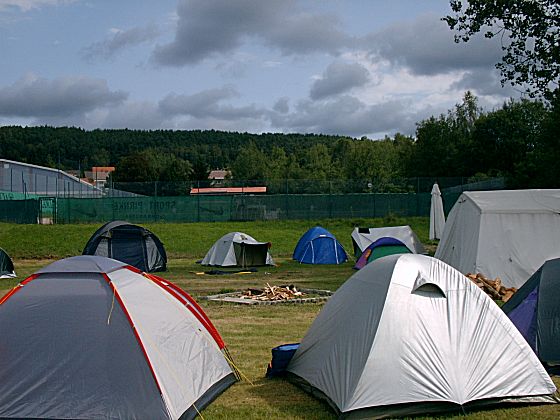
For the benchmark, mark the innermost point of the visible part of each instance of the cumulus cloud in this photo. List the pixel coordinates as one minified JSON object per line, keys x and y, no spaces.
{"x":346,"y":115}
{"x":33,"y":96}
{"x":208,"y":104}
{"x":338,"y":78}
{"x":26,"y":5}
{"x":206,"y":28}
{"x":120,"y":40}
{"x":426,"y":47}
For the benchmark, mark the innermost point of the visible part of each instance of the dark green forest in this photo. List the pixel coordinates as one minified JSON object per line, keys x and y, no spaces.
{"x":519,"y":141}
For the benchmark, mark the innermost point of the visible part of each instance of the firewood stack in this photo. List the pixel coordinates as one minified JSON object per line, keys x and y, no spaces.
{"x":493,"y":288}
{"x":272,"y":293}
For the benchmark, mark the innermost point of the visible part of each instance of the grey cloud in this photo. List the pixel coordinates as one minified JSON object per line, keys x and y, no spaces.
{"x":119,"y":41}
{"x":282,"y":105}
{"x":426,"y":47}
{"x":305,"y":33}
{"x":485,"y":83}
{"x":208,"y":104}
{"x":135,"y":115}
{"x":346,"y":115}
{"x":39,"y":97}
{"x":209,"y":27}
{"x":338,"y":78}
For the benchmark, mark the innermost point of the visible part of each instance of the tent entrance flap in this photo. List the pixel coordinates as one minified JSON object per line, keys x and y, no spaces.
{"x":250,"y":255}
{"x":129,"y":248}
{"x":6,"y":266}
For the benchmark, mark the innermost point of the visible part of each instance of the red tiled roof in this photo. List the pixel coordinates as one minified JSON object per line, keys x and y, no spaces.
{"x":228,"y":190}
{"x":102,"y":168}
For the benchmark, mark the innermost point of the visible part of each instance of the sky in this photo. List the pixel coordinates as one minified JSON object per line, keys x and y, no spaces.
{"x":343,"y":67}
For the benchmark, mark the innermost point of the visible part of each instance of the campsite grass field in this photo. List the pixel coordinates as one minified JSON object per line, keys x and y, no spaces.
{"x":249,"y":331}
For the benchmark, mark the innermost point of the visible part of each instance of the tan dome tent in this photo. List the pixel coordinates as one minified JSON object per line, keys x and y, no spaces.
{"x":104,"y":340}
{"x":410,"y":335}
{"x":237,"y":249}
{"x":132,"y":244}
{"x":6,"y":266}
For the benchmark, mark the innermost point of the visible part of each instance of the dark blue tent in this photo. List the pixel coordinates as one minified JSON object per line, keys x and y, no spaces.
{"x":132,"y":244}
{"x":535,"y":311}
{"x":319,"y":246}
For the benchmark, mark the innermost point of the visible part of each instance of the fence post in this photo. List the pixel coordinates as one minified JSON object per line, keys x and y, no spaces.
{"x":198,"y":202}
{"x":155,"y":201}
{"x":330,"y":200}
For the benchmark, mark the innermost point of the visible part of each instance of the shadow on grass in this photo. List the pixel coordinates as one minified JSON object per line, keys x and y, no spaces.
{"x":290,"y":400}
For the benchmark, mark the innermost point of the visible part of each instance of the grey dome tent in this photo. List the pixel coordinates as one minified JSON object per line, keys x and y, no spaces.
{"x":410,"y":335}
{"x":104,"y":340}
{"x":535,"y":311}
{"x":237,"y":249}
{"x":132,"y":244}
{"x":6,"y":266}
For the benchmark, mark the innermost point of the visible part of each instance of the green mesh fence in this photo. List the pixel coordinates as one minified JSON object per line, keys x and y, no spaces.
{"x":19,"y":211}
{"x":244,"y":207}
{"x":218,"y":208}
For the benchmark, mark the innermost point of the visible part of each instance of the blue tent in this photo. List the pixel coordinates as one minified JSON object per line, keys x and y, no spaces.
{"x":319,"y":246}
{"x":535,"y":311}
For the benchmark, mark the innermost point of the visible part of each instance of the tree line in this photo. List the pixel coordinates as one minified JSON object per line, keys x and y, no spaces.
{"x":518,"y":141}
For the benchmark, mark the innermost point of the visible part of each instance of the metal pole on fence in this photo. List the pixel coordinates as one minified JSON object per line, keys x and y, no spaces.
{"x":330,"y":199}
{"x":198,"y":202}
{"x":286,"y":199}
{"x":154,"y":213}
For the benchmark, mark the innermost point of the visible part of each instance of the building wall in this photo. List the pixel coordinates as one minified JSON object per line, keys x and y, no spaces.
{"x":39,"y":180}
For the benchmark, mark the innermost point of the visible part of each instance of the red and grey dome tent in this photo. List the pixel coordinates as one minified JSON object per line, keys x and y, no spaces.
{"x":92,"y":337}
{"x":132,"y":244}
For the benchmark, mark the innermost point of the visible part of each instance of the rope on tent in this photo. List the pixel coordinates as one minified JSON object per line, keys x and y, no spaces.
{"x":198,"y":412}
{"x":238,"y":373}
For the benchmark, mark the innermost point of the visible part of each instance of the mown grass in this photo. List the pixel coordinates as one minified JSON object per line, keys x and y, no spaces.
{"x":249,"y":331}
{"x":186,"y":240}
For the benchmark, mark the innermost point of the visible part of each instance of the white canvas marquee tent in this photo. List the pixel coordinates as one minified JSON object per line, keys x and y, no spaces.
{"x":505,"y":234}
{"x":409,"y":335}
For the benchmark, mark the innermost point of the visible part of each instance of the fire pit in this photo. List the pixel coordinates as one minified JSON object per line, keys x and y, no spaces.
{"x":270,"y":295}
